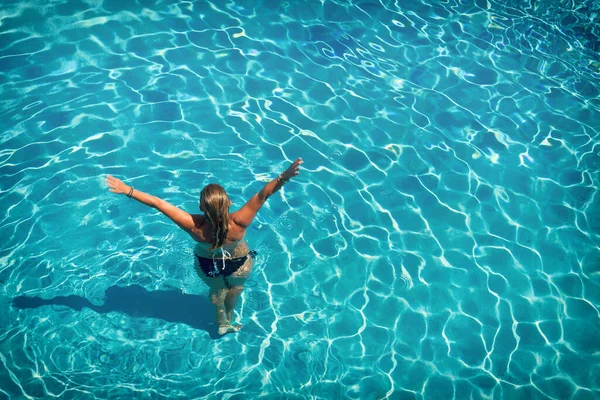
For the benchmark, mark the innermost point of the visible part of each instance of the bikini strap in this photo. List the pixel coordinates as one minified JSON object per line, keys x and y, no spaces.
{"x":225,"y":253}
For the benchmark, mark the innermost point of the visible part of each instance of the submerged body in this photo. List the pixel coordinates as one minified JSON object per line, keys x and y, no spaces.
{"x":224,"y":269}
{"x":225,"y":272}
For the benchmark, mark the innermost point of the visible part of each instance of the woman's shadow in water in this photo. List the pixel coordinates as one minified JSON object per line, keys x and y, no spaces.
{"x":135,"y":301}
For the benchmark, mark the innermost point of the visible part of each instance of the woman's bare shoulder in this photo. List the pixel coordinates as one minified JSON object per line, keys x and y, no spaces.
{"x":199,"y":219}
{"x":233,"y":217}
{"x":236,"y":231}
{"x":199,"y":233}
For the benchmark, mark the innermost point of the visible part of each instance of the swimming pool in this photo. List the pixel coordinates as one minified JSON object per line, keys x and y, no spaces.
{"x":441,"y":242}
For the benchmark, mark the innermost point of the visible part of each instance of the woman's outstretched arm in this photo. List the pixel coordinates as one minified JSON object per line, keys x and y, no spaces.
{"x":183,"y":219}
{"x":246,"y":214}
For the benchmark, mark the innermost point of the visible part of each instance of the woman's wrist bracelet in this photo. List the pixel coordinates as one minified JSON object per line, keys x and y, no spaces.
{"x":130,"y":191}
{"x":280,"y":179}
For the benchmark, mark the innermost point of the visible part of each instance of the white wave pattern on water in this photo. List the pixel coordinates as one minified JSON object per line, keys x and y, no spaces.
{"x":442,"y":240}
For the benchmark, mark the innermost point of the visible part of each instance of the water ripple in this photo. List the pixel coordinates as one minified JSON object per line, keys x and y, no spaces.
{"x":442,"y":240}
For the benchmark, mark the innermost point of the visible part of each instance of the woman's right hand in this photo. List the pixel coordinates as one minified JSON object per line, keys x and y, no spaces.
{"x":293,"y":170}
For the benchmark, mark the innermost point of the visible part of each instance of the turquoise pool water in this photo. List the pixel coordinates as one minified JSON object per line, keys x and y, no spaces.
{"x":441,"y":242}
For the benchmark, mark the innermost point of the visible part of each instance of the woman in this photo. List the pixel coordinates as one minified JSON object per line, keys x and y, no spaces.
{"x":222,"y":257}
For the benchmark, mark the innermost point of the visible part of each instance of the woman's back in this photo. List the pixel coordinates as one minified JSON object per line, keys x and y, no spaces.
{"x":234,"y":243}
{"x":231,"y":250}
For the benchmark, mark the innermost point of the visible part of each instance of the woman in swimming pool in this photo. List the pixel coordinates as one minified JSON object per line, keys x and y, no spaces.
{"x":222,"y":257}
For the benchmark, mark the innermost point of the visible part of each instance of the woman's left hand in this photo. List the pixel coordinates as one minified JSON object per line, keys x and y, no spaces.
{"x":116,"y":185}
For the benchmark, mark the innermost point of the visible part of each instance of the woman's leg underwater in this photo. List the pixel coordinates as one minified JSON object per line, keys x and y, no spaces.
{"x":231,"y":299}
{"x":236,"y":282}
{"x":217,"y":298}
{"x":216,"y":295}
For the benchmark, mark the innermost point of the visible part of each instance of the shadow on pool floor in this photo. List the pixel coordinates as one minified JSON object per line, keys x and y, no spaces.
{"x":135,"y":301}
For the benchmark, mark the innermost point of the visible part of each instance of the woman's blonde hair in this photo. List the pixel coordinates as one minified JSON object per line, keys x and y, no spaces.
{"x":215,"y":204}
